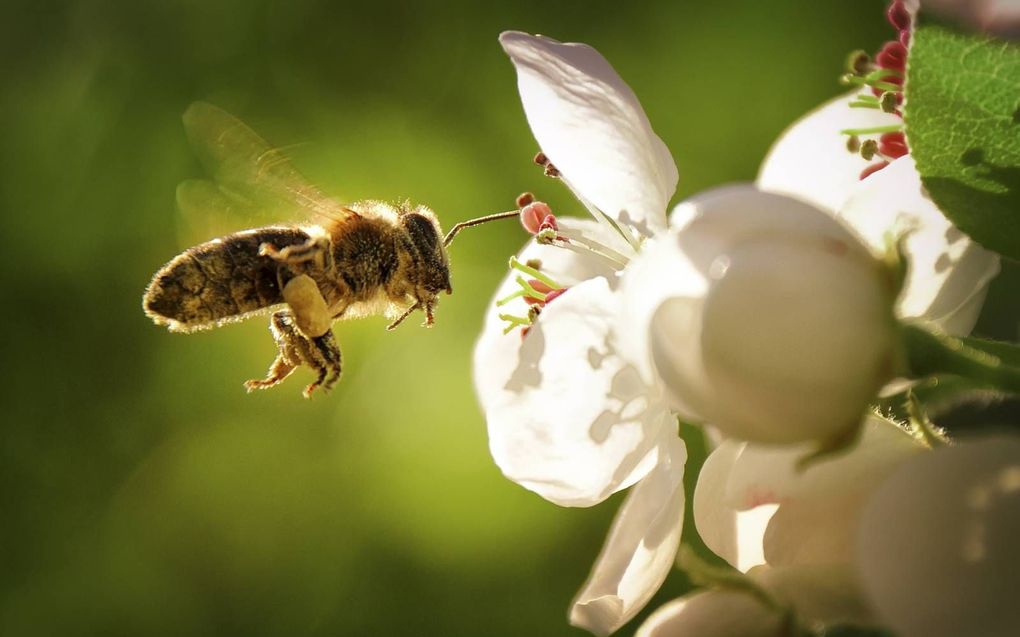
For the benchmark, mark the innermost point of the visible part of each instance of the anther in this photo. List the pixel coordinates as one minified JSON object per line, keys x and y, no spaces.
{"x":853,"y":144}
{"x":524,"y":199}
{"x":868,"y":149}
{"x":543,"y":161}
{"x":857,"y":62}
{"x":534,"y":264}
{"x":890,"y":102}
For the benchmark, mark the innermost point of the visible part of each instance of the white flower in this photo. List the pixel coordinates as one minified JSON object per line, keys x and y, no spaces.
{"x":799,"y":523}
{"x":948,"y":273}
{"x":937,"y":548}
{"x":568,"y":417}
{"x":763,"y":316}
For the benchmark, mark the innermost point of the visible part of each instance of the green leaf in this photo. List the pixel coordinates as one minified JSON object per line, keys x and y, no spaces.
{"x":932,"y":354}
{"x":1008,"y":353}
{"x":962,"y":115}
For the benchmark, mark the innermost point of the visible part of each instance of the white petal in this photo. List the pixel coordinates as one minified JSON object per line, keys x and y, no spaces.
{"x":810,"y":161}
{"x":815,"y":530}
{"x":593,"y":129}
{"x":937,"y":550}
{"x":571,"y":420}
{"x":496,"y":354}
{"x":714,"y":613}
{"x":640,"y":549}
{"x":732,"y":534}
{"x":949,"y":274}
{"x":817,"y":592}
{"x":769,"y":474}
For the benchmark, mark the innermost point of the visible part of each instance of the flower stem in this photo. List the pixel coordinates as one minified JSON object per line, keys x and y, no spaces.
{"x":929,"y":354}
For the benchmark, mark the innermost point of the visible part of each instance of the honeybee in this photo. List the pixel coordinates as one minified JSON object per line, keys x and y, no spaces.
{"x":347,"y":260}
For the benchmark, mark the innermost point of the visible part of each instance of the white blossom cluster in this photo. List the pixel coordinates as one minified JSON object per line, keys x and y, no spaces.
{"x":766,"y":313}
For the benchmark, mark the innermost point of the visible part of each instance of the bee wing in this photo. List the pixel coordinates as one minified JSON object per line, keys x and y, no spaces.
{"x":209,"y":210}
{"x":251,"y":178}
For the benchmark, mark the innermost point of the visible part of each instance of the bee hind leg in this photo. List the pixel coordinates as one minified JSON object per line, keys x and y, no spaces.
{"x":314,"y":249}
{"x":320,"y":353}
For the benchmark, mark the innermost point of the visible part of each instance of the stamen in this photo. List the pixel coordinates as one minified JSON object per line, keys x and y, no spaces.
{"x":514,"y":322}
{"x":612,"y":263}
{"x":510,"y":297}
{"x":529,"y":290}
{"x":603,"y":218}
{"x":855,"y":80}
{"x":517,"y":265}
{"x":890,"y":102}
{"x":882,"y":74}
{"x":892,"y":128}
{"x":543,"y":161}
{"x":868,"y":149}
{"x":857,"y":62}
{"x":577,"y":237}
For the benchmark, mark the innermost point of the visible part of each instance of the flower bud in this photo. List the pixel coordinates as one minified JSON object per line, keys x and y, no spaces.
{"x":937,"y":544}
{"x":763,"y":316}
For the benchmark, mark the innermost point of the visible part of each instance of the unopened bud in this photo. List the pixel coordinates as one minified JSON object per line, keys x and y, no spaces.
{"x":787,"y":334}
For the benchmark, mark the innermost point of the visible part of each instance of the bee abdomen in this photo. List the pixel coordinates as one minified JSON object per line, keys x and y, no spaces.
{"x":222,"y":280}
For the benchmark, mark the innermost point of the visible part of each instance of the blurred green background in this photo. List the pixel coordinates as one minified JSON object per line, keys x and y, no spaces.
{"x":143,"y":492}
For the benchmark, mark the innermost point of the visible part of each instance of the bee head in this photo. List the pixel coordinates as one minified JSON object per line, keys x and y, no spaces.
{"x":422,"y":227}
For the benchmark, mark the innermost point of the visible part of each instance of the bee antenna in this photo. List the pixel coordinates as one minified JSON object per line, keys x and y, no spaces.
{"x":477,"y":221}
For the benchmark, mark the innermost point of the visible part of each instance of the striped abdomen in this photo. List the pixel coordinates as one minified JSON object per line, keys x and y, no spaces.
{"x":220,"y":280}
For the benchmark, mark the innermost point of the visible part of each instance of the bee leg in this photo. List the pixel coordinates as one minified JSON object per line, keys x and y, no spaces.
{"x":320,"y":353}
{"x":314,"y":249}
{"x":307,"y":306}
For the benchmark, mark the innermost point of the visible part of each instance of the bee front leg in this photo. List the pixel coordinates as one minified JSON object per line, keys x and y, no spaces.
{"x":321,"y":353}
